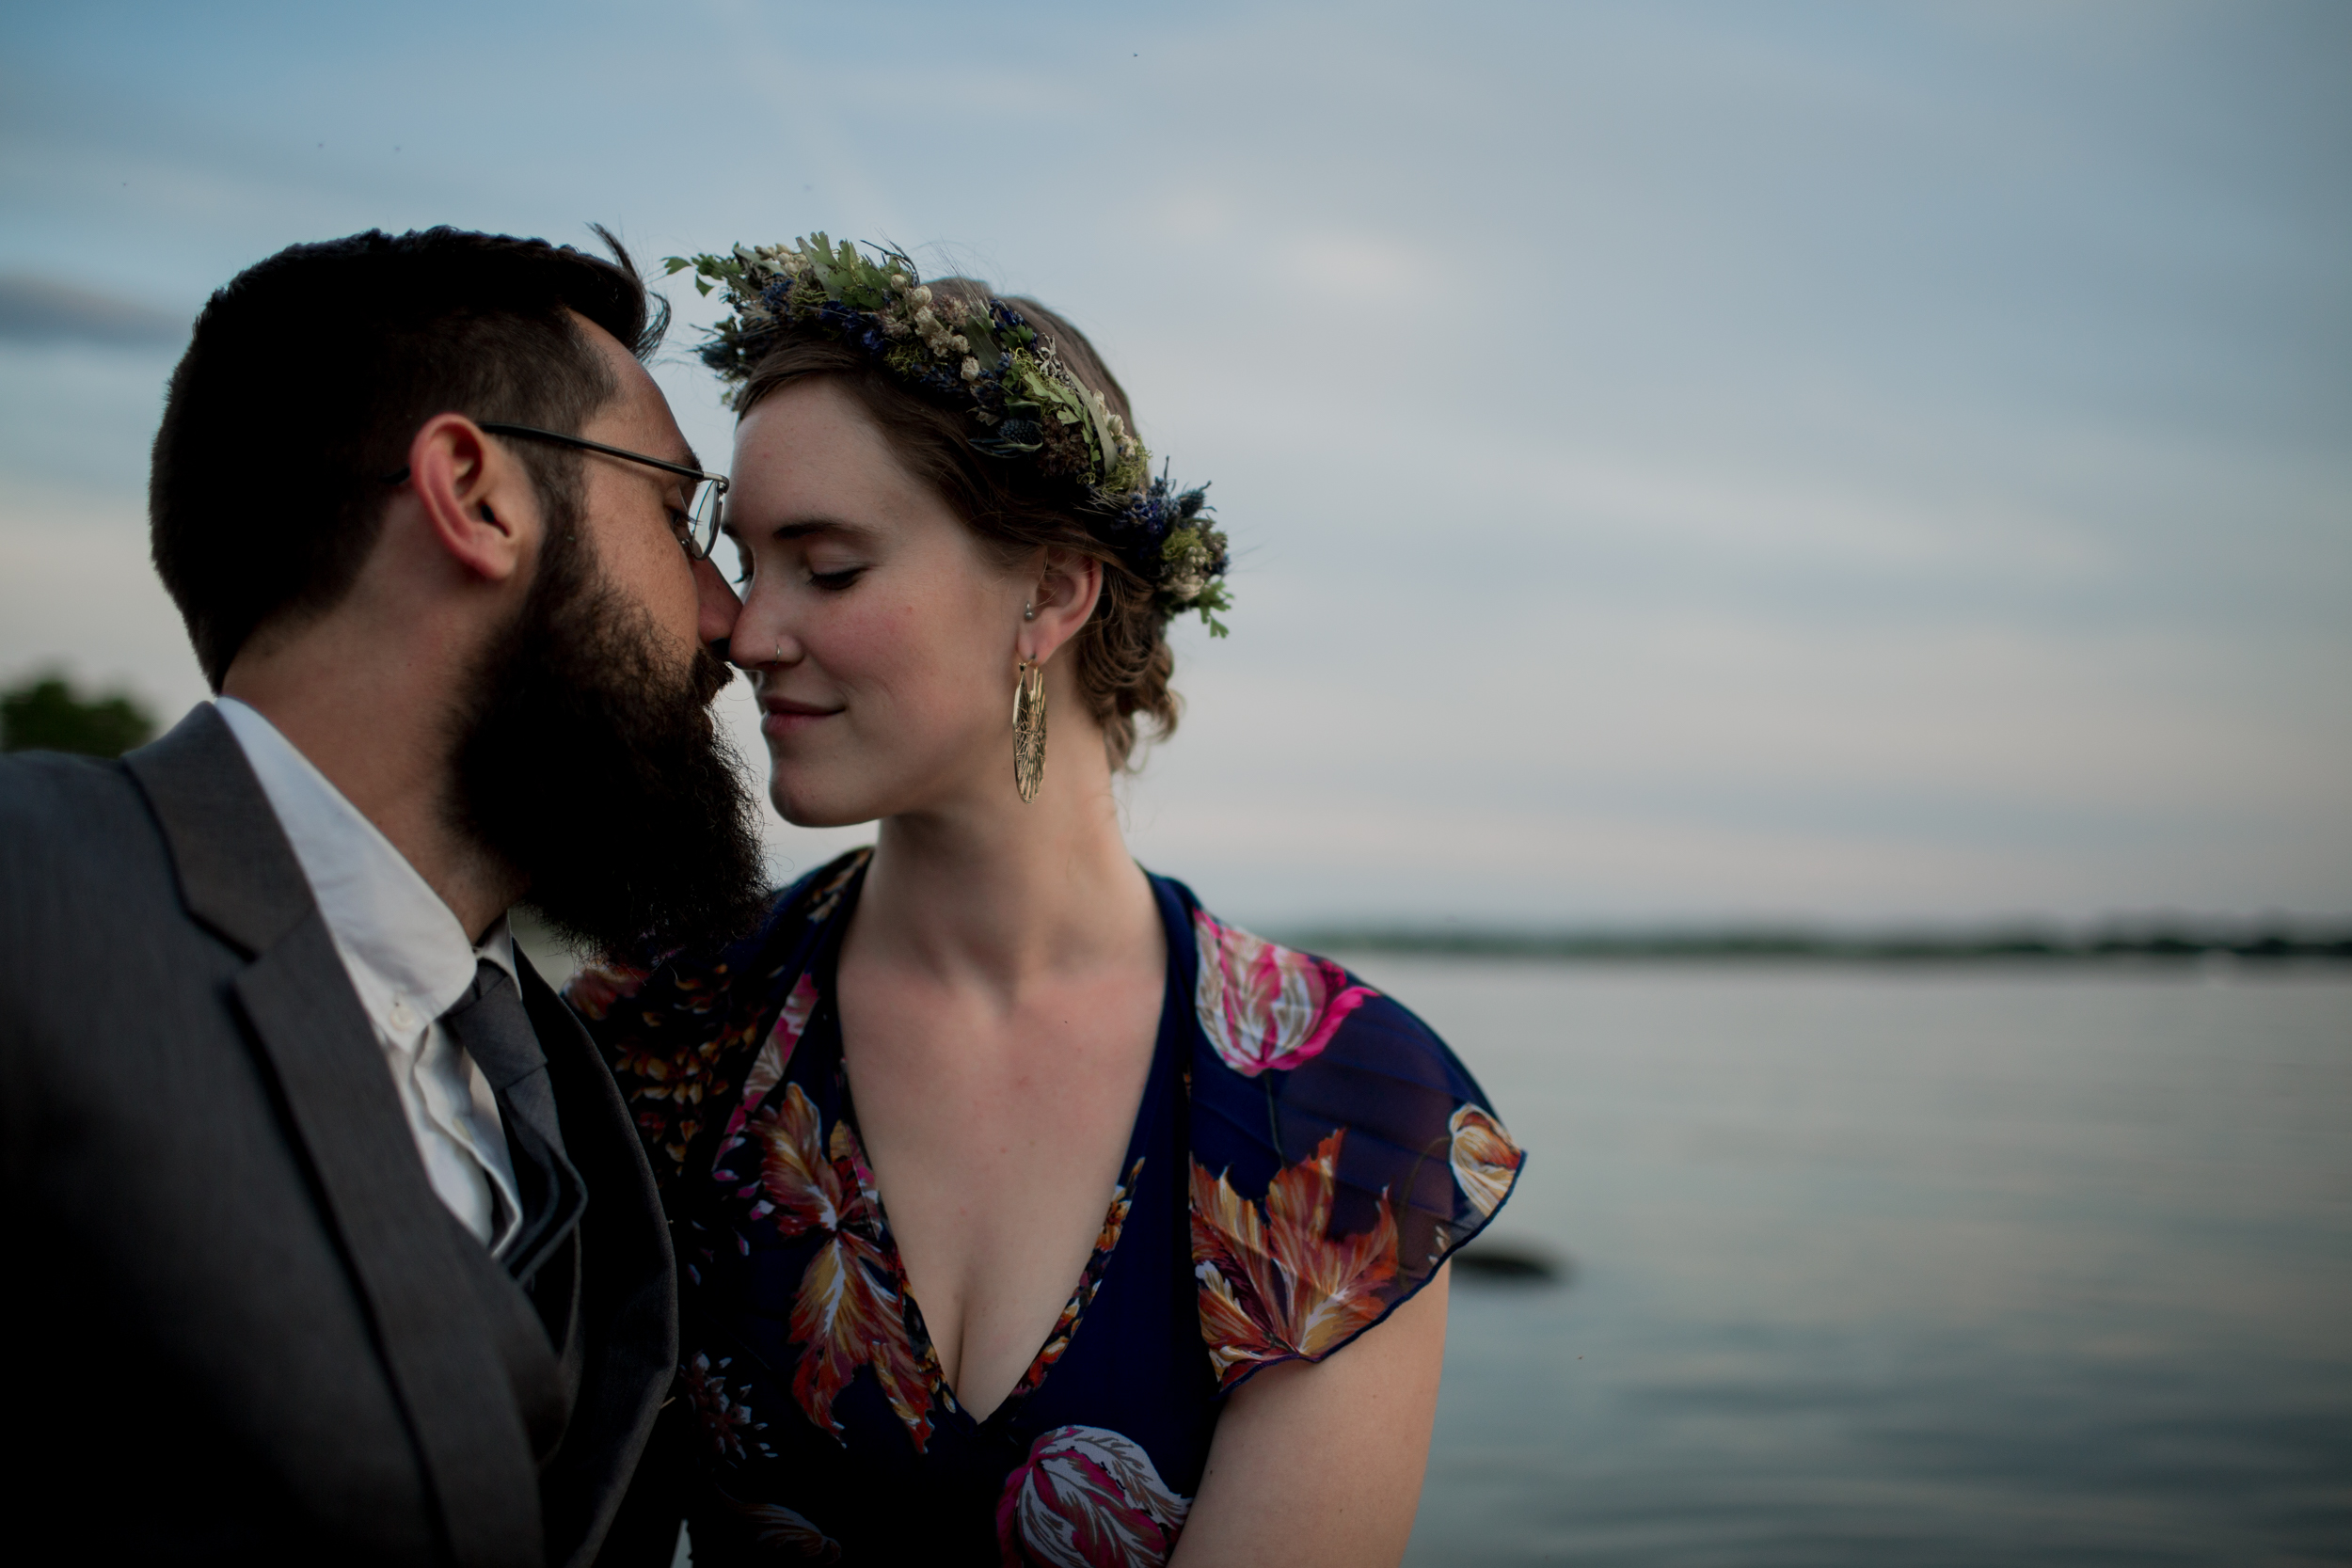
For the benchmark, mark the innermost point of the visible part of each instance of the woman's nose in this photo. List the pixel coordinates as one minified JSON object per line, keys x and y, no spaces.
{"x":761,"y":639}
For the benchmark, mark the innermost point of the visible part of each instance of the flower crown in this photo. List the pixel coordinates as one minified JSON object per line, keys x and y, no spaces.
{"x":982,"y":356}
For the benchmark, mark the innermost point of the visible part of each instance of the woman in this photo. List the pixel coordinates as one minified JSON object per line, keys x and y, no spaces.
{"x":1026,"y":1212}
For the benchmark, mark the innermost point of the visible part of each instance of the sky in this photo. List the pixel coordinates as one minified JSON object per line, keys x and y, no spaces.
{"x":1688,"y":462}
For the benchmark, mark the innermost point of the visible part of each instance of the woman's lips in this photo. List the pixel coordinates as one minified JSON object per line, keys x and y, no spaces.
{"x":785,"y":717}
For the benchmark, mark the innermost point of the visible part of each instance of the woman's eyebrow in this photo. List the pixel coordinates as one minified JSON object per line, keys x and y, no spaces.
{"x":819,"y":525}
{"x":747,"y":533}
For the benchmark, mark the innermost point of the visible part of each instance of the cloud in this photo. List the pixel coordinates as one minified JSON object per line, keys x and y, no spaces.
{"x":1692,"y":457}
{"x":36,"y":309}
{"x":1356,"y":269}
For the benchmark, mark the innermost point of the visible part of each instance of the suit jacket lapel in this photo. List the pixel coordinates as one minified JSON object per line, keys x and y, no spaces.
{"x":627,"y":1288}
{"x":237,"y":872}
{"x":239,"y":877}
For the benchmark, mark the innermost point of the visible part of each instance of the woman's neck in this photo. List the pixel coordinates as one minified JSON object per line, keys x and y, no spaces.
{"x":1003,"y":896}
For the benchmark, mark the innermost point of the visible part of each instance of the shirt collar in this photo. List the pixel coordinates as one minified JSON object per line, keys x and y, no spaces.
{"x":403,"y":943}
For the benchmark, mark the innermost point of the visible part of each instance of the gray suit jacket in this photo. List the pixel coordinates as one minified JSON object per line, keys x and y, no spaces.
{"x":245,"y":1328}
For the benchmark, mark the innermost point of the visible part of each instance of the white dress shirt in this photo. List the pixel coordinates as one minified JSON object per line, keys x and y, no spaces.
{"x":409,"y":959}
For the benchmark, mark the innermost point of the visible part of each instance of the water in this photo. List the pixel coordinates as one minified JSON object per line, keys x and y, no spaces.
{"x":1916,"y":1266}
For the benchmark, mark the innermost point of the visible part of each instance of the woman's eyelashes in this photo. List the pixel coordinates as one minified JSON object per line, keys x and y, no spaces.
{"x":832,"y":575}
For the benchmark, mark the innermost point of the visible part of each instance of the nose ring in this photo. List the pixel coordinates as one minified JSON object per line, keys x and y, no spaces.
{"x":779,"y":653}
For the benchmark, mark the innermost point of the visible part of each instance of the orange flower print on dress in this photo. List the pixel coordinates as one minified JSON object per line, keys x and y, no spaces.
{"x":1264,"y":1005}
{"x":1281,"y":1288}
{"x":823,"y":900}
{"x":665,"y":1070}
{"x":1485,"y":1161}
{"x":1087,"y":1498}
{"x":789,"y":1536}
{"x":1105,"y":1243}
{"x":593,"y":990}
{"x":849,"y":1313}
{"x":774,"y":1057}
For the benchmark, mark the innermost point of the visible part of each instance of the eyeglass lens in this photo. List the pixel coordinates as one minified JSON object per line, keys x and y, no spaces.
{"x":708,"y":504}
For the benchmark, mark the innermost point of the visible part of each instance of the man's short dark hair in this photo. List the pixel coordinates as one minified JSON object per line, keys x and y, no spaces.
{"x":308,"y":376}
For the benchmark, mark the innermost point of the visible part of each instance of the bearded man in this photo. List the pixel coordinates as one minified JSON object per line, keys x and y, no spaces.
{"x":330,"y":1237}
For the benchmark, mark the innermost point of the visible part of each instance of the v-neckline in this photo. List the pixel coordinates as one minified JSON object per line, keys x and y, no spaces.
{"x":1108,"y":1236}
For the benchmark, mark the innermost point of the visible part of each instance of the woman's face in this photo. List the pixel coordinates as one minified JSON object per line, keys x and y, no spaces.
{"x":883,"y":640}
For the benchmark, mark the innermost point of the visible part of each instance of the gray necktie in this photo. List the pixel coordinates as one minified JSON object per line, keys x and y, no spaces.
{"x":489,"y":1024}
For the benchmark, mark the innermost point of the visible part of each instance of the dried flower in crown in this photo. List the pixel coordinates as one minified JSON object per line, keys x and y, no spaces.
{"x":983,"y":357}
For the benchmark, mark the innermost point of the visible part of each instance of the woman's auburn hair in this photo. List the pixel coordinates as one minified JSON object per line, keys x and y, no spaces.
{"x":1123,"y":660}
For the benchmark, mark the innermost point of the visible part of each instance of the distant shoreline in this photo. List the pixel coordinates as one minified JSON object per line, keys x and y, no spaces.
{"x":2171,"y":946}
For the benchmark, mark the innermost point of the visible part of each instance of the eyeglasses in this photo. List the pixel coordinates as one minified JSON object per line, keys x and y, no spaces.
{"x":705,"y":497}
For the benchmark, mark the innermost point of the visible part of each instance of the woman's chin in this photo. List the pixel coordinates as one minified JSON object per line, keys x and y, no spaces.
{"x":806,"y":814}
{"x":806,"y":805}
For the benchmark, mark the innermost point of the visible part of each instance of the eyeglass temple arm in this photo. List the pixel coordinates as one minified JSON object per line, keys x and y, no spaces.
{"x":717,"y":482}
{"x":586,"y":445}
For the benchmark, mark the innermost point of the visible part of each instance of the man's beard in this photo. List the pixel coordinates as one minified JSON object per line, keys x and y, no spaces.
{"x":599,"y":773}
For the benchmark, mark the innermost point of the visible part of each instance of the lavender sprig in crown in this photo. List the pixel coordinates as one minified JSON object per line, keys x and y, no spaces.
{"x":983,"y":357}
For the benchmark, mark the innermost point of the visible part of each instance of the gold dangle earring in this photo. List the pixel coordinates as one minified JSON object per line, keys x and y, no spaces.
{"x":1028,"y":728}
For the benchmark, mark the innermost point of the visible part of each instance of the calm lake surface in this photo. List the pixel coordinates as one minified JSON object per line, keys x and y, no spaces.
{"x":1906,"y":1265}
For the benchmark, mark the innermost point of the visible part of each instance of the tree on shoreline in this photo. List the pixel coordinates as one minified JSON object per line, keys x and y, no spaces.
{"x":46,"y":714}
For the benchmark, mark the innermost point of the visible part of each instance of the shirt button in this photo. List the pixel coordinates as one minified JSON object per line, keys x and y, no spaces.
{"x":402,"y":1017}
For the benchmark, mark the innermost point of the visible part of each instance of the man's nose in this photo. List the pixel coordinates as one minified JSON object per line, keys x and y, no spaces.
{"x":716,"y":605}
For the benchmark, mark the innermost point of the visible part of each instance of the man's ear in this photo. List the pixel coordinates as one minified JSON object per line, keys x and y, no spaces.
{"x":478,"y":500}
{"x":1066,"y":587}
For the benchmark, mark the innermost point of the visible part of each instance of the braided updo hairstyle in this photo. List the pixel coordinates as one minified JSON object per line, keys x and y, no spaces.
{"x":1123,"y":662}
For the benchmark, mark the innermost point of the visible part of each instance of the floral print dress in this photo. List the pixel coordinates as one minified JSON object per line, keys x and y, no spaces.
{"x":1305,"y":1156}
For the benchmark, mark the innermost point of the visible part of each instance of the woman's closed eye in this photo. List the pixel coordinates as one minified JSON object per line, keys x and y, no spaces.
{"x":836,"y":580}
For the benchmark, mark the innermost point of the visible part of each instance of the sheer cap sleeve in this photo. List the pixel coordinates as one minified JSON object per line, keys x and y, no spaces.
{"x":1340,"y":1150}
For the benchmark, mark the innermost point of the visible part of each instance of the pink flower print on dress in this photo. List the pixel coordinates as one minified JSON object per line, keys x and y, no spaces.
{"x":1264,"y":1005}
{"x":726,"y":1420}
{"x":1087,"y":1498}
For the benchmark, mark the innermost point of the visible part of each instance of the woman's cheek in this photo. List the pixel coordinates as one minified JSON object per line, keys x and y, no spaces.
{"x":867,"y":640}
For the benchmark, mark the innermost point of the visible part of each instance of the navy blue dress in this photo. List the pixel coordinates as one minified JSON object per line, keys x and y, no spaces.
{"x":1306,"y":1154}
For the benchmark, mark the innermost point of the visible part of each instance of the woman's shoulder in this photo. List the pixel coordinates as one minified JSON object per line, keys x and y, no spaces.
{"x":1340,"y":1150}
{"x":672,"y":1026}
{"x":1268,"y":1009}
